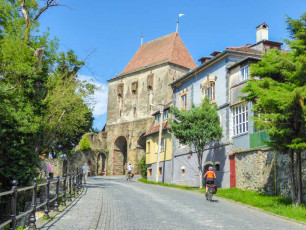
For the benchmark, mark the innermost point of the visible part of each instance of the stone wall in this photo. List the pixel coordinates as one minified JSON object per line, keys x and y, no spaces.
{"x":126,"y":144}
{"x":259,"y":169}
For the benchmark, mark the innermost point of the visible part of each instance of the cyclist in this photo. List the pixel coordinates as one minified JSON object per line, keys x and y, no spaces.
{"x":210,"y":177}
{"x":130,"y":169}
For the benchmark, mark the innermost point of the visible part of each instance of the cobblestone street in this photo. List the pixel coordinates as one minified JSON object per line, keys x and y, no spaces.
{"x":113,"y":203}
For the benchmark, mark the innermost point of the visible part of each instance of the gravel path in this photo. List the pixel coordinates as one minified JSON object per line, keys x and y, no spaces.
{"x":113,"y":203}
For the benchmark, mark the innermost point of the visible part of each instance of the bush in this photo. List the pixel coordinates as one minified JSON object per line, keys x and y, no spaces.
{"x":85,"y":143}
{"x":143,"y":167}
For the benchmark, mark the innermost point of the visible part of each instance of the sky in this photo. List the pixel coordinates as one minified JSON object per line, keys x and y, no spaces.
{"x":107,"y":34}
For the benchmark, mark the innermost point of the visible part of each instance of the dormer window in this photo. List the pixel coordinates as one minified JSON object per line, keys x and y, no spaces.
{"x":245,"y":72}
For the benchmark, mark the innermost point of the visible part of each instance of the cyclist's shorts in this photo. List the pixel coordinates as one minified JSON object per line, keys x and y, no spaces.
{"x":210,"y":181}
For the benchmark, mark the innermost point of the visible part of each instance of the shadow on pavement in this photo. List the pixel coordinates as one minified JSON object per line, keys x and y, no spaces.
{"x":62,"y":213}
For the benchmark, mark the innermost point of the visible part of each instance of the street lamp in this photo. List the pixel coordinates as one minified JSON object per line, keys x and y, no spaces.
{"x":161,"y":110}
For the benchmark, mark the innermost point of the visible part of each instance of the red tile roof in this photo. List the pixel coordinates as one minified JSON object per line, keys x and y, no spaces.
{"x":155,"y":128}
{"x":244,"y":49}
{"x":169,"y":48}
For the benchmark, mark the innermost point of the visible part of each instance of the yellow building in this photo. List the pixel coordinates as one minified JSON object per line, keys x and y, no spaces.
{"x":165,"y":157}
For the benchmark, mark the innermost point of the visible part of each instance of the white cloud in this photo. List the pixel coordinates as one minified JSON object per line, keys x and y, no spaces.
{"x":100,"y":96}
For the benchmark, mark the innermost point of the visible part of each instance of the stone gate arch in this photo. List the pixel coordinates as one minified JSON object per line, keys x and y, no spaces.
{"x":120,"y":156}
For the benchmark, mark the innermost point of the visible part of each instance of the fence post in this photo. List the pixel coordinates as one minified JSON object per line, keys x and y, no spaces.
{"x":77,"y":181}
{"x":73,"y":179}
{"x":80,"y":178}
{"x":32,"y":225}
{"x":47,"y":198}
{"x":13,"y":205}
{"x":64,"y":196}
{"x":81,"y":175}
{"x":69,"y":195}
{"x":57,"y":197}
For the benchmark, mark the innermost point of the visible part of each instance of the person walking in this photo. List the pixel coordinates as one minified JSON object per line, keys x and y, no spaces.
{"x":85,"y":172}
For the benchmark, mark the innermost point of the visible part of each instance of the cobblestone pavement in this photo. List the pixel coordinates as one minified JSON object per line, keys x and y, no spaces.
{"x":113,"y":203}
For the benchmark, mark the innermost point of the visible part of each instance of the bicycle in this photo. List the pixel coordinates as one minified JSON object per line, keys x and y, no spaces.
{"x":129,"y":176}
{"x":210,"y":192}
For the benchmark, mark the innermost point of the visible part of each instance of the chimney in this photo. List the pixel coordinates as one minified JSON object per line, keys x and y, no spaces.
{"x":262,"y":32}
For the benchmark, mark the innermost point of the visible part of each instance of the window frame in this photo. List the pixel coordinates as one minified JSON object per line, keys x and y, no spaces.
{"x":240,"y":119}
{"x":244,"y":72}
{"x":183,"y":104}
{"x":209,"y":90}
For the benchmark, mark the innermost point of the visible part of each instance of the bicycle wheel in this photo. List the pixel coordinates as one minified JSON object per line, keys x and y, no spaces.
{"x":210,"y":194}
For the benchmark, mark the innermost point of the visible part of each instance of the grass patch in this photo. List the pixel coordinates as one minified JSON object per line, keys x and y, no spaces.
{"x":143,"y":180}
{"x":276,"y":204}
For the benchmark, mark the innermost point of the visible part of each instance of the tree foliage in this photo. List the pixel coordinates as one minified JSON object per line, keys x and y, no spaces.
{"x":44,"y":107}
{"x":279,"y":98}
{"x":197,"y":127}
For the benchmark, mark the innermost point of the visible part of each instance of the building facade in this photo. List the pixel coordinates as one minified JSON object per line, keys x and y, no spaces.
{"x":220,"y":77}
{"x":166,"y":148}
{"x":144,"y":81}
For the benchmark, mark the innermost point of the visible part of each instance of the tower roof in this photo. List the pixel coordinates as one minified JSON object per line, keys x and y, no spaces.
{"x":169,"y":48}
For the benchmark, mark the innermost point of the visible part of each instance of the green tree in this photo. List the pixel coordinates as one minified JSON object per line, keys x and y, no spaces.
{"x":44,"y":107}
{"x":279,"y":98}
{"x":197,"y":127}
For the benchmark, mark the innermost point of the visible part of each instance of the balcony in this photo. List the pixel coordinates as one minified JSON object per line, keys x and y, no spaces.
{"x":257,"y":139}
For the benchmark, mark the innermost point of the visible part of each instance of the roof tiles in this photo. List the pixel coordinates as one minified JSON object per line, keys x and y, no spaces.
{"x":169,"y":48}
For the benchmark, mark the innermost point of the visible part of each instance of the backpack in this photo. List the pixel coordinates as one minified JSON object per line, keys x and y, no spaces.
{"x":215,"y":189}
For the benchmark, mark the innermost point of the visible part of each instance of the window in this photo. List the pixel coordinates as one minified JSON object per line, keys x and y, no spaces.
{"x":134,"y":87}
{"x":162,"y":144}
{"x":183,"y":170}
{"x":166,"y":115}
{"x":148,"y":147}
{"x":134,"y":111}
{"x":245,"y":72}
{"x":240,"y":119}
{"x":217,"y":166}
{"x":160,"y":171}
{"x":149,"y":172}
{"x":150,"y":80}
{"x":120,"y":113}
{"x":120,"y":90}
{"x":184,"y":101}
{"x":157,"y":119}
{"x":209,"y":90}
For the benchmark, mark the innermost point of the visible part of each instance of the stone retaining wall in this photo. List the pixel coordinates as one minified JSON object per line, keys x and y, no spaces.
{"x":255,"y":170}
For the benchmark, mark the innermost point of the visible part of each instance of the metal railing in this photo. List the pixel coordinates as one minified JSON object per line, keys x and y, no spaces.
{"x":74,"y":186}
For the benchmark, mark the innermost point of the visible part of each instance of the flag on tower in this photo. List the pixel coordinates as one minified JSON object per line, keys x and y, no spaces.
{"x":178,"y":20}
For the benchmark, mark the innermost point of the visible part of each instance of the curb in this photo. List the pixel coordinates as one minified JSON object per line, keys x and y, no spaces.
{"x":264,"y":211}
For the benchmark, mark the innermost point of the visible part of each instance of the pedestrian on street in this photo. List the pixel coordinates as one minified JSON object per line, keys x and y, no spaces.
{"x":85,"y":172}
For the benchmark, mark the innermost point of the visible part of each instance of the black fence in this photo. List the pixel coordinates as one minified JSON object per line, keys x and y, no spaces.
{"x":72,"y":184}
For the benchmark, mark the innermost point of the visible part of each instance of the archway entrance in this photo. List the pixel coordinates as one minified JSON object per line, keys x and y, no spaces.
{"x":120,"y":156}
{"x":101,"y":163}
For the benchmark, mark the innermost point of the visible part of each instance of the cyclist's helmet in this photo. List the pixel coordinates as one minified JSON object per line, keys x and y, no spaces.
{"x":210,"y":168}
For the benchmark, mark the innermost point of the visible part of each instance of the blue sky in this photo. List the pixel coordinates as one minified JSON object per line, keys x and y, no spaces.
{"x":107,"y":33}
